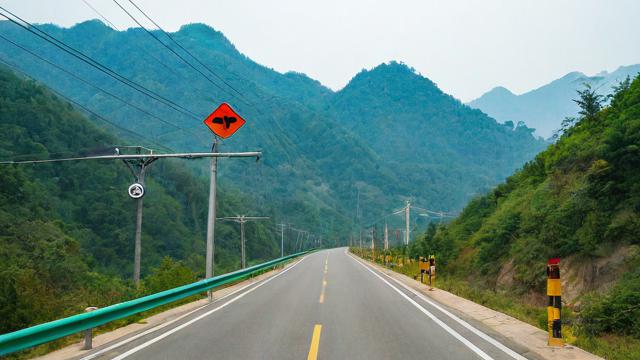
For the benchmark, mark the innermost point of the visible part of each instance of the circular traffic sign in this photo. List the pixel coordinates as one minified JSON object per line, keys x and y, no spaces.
{"x":136,"y":191}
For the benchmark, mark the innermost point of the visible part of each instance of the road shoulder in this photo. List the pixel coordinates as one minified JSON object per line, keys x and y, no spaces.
{"x":516,"y":331}
{"x":157,"y":320}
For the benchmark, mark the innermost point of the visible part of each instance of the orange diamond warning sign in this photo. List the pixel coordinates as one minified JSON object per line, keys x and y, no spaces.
{"x":224,"y":122}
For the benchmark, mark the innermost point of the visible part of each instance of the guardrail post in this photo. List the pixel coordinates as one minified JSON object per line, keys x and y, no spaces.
{"x":88,"y":334}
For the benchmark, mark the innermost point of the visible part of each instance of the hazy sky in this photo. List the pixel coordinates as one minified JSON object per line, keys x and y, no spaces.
{"x":466,"y":47}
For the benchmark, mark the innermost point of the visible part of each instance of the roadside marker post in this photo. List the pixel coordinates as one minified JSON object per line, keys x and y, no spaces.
{"x":432,"y":271}
{"x":424,"y":267}
{"x":554,"y":306}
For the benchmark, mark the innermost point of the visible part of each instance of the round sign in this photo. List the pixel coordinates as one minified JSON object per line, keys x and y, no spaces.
{"x":136,"y":191}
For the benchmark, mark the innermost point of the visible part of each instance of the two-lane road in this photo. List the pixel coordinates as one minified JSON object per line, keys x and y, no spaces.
{"x":328,"y":305}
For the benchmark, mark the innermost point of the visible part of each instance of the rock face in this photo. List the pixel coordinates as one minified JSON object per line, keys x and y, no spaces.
{"x":581,"y":276}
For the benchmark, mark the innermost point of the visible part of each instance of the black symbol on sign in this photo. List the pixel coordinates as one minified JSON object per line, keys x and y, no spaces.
{"x":228,"y":120}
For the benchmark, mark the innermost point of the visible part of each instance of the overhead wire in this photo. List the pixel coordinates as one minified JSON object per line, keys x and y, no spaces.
{"x":98,"y":116}
{"x":171,"y":50}
{"x":107,"y":92}
{"x":99,"y":14}
{"x":185,"y":50}
{"x":93,"y":63}
{"x":110,"y":23}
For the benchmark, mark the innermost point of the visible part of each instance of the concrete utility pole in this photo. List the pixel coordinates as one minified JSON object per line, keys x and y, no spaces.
{"x":211,"y":217}
{"x":137,"y":168}
{"x":241,"y":219}
{"x":281,"y":238}
{"x":407,"y":212}
{"x":386,"y":236}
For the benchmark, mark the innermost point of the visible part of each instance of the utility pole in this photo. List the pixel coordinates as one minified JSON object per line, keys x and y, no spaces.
{"x":386,"y":237}
{"x":211,"y":217}
{"x":281,"y":238}
{"x":241,"y":219}
{"x":407,"y":212}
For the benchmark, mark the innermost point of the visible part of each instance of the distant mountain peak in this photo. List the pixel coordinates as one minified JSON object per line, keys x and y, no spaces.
{"x":205,"y":34}
{"x":500,"y":91}
{"x":93,"y":26}
{"x":392,"y":76}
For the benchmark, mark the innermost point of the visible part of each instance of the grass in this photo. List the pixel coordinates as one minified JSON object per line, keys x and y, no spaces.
{"x":612,"y":347}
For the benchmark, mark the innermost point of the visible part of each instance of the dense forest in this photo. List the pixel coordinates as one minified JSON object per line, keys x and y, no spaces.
{"x":66,"y":229}
{"x":320,"y":147}
{"x":578,"y":200}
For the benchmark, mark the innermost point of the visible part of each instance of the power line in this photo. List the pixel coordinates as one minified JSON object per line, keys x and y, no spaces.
{"x":93,"y":85}
{"x":98,"y":116}
{"x":169,"y":48}
{"x":117,"y":29}
{"x":90,"y":61}
{"x":185,"y":50}
{"x":99,"y":14}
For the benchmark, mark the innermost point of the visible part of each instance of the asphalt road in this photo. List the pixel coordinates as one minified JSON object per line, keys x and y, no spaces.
{"x":328,"y":305}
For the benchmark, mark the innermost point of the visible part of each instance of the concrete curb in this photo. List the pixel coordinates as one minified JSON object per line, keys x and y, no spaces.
{"x":516,"y":331}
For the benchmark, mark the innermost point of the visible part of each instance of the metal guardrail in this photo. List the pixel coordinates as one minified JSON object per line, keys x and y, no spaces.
{"x":40,"y":334}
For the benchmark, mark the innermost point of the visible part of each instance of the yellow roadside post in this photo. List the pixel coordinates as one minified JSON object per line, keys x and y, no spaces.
{"x":423,"y":265}
{"x":554,"y":306}
{"x":432,"y":271}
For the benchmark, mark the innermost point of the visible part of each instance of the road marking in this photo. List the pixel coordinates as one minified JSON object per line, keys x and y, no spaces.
{"x":315,"y":342}
{"x":446,"y":327}
{"x":324,"y":280}
{"x":163,"y":325}
{"x":178,"y":328}
{"x":468,"y":326}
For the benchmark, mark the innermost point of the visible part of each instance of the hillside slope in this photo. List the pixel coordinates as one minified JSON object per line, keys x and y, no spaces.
{"x":578,"y":200}
{"x":66,"y":229}
{"x":447,"y":151}
{"x":313,"y":163}
{"x":544,"y":108}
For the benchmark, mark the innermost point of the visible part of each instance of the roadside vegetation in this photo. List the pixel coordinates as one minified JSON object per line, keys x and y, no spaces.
{"x":578,"y":200}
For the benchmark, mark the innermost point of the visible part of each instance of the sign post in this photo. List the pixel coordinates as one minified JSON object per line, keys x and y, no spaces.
{"x":223,"y":122}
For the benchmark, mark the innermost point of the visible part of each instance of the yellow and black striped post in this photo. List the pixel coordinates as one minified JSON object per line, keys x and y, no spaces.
{"x":432,"y":271}
{"x":554,"y":306}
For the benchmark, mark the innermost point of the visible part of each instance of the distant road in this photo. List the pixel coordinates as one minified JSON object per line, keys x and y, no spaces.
{"x":328,"y":305}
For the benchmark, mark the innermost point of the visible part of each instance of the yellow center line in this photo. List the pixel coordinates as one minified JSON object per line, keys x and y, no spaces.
{"x":315,"y":342}
{"x":324,"y":280}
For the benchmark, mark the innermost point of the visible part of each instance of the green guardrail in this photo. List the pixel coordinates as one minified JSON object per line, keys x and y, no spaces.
{"x":40,"y":334}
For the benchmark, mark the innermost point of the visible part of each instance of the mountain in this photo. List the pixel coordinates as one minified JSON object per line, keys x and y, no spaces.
{"x":578,"y":200}
{"x":545,"y":107}
{"x":429,"y":138}
{"x":66,"y":229}
{"x":314,"y":159}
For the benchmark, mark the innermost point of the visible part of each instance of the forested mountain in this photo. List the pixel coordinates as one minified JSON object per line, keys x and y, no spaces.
{"x":315,"y":153}
{"x":66,"y":229}
{"x":578,"y":200}
{"x":544,"y":108}
{"x":444,"y":149}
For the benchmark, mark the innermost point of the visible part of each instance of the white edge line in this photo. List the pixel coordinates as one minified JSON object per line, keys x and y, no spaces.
{"x":468,"y":326}
{"x":161,"y":326}
{"x":446,"y":327}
